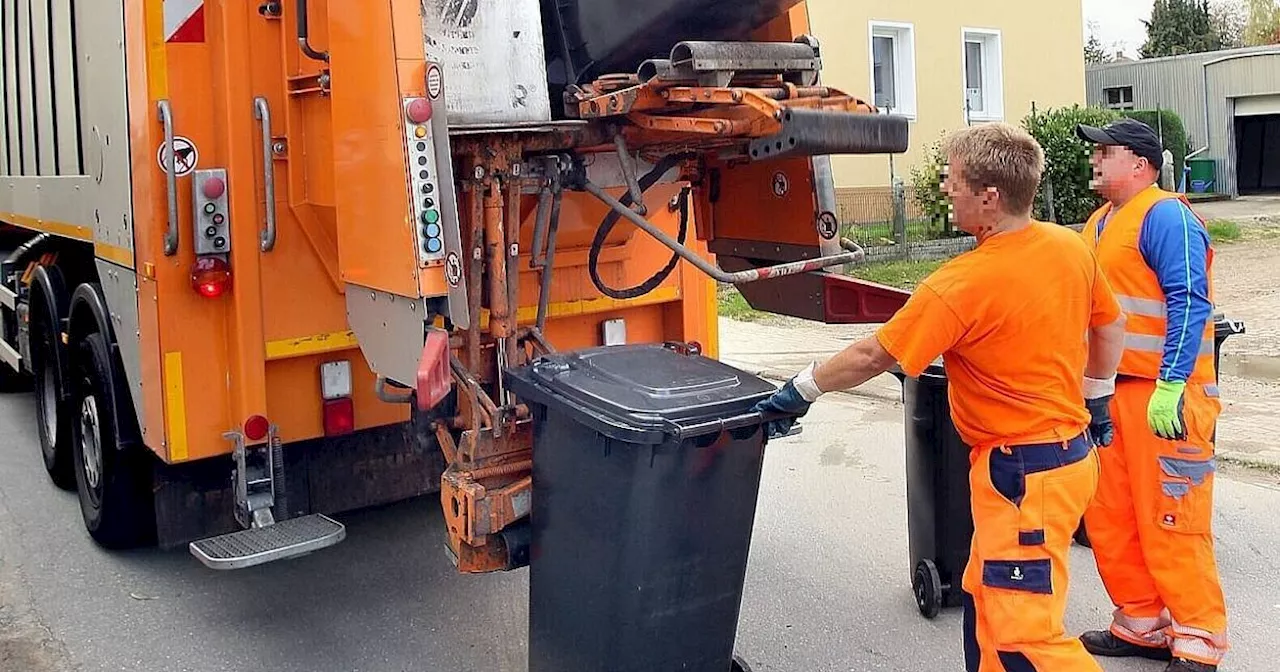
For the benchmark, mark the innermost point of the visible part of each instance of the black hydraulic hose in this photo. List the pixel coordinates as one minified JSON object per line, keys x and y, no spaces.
{"x":611,"y":220}
{"x":304,"y":35}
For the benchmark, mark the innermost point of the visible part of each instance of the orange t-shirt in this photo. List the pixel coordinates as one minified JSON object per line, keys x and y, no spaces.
{"x":1010,"y":320}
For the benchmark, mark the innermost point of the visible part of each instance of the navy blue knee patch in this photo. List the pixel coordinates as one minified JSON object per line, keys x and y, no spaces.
{"x":1016,"y":662}
{"x":972,"y":654}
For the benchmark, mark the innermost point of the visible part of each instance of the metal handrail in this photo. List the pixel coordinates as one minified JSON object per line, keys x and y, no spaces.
{"x":262,"y":112}
{"x":171,"y":174}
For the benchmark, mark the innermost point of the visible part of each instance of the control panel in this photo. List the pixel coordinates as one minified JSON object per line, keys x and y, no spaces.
{"x":425,"y":180}
{"x":212,"y":224}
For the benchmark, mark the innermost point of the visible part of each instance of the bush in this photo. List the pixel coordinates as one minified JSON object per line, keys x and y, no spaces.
{"x":1067,"y":160}
{"x":926,"y":188}
{"x":1175,"y":134}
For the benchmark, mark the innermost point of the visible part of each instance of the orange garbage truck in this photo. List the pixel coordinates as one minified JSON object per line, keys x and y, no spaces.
{"x":265,"y":262}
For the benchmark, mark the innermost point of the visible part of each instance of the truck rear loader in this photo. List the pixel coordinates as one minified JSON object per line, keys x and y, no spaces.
{"x":264,"y":262}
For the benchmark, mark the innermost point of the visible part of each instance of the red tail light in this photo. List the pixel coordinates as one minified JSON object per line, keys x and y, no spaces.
{"x":339,"y":417}
{"x":256,"y":427}
{"x":210,"y":277}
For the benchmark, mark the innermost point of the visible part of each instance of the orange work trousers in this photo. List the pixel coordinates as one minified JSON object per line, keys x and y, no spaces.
{"x":1027,"y":503}
{"x":1150,"y":526}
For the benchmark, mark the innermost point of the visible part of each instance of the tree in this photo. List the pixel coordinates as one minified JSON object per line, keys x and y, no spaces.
{"x":1094,"y":52}
{"x":1229,"y":18}
{"x":1263,"y":25}
{"x":1180,"y":27}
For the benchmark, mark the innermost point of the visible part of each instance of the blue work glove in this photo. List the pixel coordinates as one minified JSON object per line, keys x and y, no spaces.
{"x":790,"y":403}
{"x":1101,"y":428}
{"x":1097,"y":398}
{"x":782,"y":409}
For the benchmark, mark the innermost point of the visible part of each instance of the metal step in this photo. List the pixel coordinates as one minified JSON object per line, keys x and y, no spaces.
{"x":285,"y":539}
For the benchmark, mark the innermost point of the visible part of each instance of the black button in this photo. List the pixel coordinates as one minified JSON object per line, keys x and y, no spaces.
{"x":428,"y":203}
{"x":422,"y":146}
{"x":219,"y":242}
{"x":211,"y":231}
{"x":424,"y":174}
{"x":422,"y":160}
{"x":428,"y":188}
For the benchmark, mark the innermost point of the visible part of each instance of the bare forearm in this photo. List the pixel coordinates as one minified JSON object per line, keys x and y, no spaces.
{"x":853,"y":366}
{"x":1106,"y":346}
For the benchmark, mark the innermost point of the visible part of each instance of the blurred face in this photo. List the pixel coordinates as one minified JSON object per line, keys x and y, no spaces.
{"x":973,"y":207}
{"x":1116,"y":170}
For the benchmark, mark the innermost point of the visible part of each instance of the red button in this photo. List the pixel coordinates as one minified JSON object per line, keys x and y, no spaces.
{"x":214,"y":188}
{"x":419,"y":111}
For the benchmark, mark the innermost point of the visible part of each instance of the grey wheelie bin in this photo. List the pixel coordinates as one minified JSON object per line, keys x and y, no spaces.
{"x":646,"y":468}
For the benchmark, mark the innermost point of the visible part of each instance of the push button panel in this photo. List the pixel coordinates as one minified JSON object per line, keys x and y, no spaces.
{"x":424,"y":181}
{"x":212,"y":219}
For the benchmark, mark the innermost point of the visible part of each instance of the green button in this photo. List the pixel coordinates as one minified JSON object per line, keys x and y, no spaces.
{"x":431,"y":217}
{"x":210,"y":208}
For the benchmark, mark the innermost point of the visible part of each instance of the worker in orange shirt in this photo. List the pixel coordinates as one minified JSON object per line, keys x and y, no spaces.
{"x":1010,"y":319}
{"x":1150,"y":525}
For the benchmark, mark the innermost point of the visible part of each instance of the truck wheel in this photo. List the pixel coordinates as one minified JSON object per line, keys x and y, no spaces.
{"x":54,"y":417}
{"x":111,"y":475}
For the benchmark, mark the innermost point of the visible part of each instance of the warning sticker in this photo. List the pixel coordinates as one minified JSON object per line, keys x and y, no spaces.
{"x":185,"y":156}
{"x":435,"y":82}
{"x":183,"y":21}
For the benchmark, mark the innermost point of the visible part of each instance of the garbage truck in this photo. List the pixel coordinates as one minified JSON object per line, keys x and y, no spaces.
{"x":265,"y":262}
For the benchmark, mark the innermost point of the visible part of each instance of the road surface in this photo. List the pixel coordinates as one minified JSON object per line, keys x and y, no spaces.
{"x":828,"y":585}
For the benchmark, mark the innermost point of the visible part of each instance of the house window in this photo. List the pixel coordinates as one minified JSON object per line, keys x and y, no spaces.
{"x":893,"y":67}
{"x":1119,"y":97}
{"x":983,"y":75}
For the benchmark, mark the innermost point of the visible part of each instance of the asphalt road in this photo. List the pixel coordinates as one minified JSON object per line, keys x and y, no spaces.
{"x":828,"y":584}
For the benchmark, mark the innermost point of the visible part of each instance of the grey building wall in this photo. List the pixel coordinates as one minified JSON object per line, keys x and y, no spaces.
{"x":1200,"y":88}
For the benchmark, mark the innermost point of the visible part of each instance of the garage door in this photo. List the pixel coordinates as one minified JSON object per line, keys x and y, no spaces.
{"x":1256,"y":106}
{"x":1258,"y":153}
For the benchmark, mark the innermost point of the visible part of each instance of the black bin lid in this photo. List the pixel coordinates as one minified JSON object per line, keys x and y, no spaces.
{"x":643,"y":393}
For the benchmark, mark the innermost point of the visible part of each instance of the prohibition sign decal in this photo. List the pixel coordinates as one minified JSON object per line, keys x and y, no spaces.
{"x":185,"y":156}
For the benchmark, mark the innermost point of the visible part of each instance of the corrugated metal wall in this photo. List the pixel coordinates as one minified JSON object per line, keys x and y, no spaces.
{"x":1179,"y":84}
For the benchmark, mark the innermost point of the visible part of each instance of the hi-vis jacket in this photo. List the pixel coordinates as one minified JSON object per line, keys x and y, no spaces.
{"x":1152,"y":349}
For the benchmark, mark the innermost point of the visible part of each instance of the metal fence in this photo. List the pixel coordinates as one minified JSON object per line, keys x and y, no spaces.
{"x":886,"y":217}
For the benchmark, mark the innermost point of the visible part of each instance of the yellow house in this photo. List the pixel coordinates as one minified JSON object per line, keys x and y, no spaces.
{"x":944,"y":64}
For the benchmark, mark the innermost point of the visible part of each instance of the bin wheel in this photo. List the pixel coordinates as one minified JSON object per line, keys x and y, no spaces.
{"x":928,"y":588}
{"x":739,"y":665}
{"x":1082,"y":536}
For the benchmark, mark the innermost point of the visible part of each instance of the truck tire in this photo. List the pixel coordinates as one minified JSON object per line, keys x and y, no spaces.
{"x":111,"y":470}
{"x":54,"y":417}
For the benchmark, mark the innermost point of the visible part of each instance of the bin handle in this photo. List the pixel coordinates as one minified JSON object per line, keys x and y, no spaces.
{"x":719,"y":424}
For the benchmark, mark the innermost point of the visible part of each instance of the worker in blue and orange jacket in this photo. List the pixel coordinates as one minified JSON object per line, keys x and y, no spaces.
{"x":1150,"y":524}
{"x":1010,"y":320}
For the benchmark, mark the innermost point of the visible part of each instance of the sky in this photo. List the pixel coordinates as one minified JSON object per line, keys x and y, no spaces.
{"x":1119,"y":21}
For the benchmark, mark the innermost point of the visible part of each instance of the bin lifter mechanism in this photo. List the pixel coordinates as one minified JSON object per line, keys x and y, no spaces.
{"x":739,"y":123}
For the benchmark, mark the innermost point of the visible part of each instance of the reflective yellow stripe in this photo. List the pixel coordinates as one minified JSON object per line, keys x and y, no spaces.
{"x":1139,"y":306}
{"x":116,"y":255}
{"x":317,"y":344}
{"x":157,"y":58}
{"x":75,"y":231}
{"x":175,"y":406}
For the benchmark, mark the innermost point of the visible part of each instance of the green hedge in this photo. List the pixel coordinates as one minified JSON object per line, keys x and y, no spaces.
{"x":1067,"y":160}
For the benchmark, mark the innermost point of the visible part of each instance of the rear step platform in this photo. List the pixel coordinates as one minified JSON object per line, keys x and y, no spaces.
{"x":285,"y":539}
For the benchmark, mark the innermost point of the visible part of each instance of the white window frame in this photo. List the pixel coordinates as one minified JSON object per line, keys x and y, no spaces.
{"x":992,"y":42}
{"x":904,"y":63}
{"x":1122,"y":105}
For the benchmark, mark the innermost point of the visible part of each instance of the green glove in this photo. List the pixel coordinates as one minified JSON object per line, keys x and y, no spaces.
{"x":1164,"y":411}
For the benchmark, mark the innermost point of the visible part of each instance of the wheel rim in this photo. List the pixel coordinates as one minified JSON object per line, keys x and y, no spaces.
{"x":90,"y":445}
{"x":49,"y":409}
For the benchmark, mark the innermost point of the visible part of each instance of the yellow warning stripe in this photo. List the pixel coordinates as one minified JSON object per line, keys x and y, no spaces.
{"x":317,"y":344}
{"x":157,"y":57}
{"x":175,"y":405}
{"x":75,"y":231}
{"x":113,"y":253}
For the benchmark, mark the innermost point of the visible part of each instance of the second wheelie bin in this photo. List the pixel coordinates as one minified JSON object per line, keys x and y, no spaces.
{"x":939,"y":519}
{"x":646,"y":469}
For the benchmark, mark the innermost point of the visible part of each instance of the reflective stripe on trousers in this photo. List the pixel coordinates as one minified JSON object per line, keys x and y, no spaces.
{"x":1151,"y":526}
